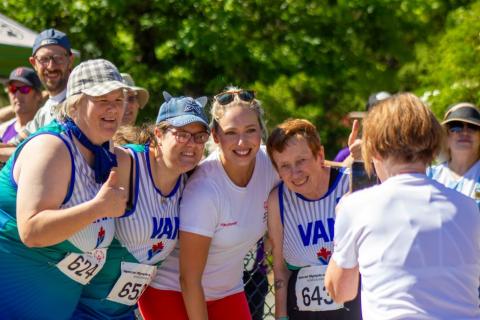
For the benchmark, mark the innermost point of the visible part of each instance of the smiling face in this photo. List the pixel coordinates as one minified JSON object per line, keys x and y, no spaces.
{"x":179,"y":156}
{"x":54,"y":72}
{"x":99,"y":117}
{"x":298,"y":167}
{"x":238,"y":134}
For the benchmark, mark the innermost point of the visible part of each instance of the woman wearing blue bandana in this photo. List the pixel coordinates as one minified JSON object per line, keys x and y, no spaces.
{"x":162,"y":155}
{"x":58,"y":196}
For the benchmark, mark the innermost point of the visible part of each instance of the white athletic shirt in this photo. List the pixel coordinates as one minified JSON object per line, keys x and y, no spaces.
{"x":308,"y":225}
{"x":150,"y":231}
{"x":100,"y":233}
{"x":468,"y":184}
{"x":234,"y":217}
{"x":417,"y":244}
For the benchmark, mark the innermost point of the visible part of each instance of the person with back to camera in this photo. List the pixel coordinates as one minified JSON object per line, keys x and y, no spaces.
{"x":55,"y":217}
{"x":301,"y":217}
{"x":147,"y":233}
{"x":415,"y":242}
{"x":461,"y":171}
{"x":222,"y":216}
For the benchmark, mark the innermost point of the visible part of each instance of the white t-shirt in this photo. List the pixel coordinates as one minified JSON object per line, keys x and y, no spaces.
{"x":417,"y":244}
{"x":234,"y":217}
{"x":468,"y":184}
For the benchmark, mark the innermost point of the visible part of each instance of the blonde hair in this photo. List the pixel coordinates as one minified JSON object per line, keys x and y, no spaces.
{"x":293,"y":128}
{"x":401,"y":127}
{"x":65,"y":109}
{"x":218,"y":110}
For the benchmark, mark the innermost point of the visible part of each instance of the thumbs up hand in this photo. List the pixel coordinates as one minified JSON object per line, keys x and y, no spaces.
{"x":111,"y":199}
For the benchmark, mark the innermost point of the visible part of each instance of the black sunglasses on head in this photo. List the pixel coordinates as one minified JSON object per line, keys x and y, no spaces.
{"x":227,"y":96}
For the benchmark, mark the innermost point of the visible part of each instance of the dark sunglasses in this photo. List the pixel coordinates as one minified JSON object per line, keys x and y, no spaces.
{"x":226,"y":97}
{"x":457,"y":127}
{"x":185,"y":136}
{"x":23,"y":89}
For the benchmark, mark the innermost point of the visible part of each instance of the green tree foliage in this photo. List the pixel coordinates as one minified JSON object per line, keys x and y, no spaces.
{"x":312,"y":59}
{"x":449,"y":64}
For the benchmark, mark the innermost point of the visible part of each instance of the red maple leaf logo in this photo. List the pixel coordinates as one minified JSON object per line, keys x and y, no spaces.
{"x":324,"y":253}
{"x":101,"y":233}
{"x":157,"y":247}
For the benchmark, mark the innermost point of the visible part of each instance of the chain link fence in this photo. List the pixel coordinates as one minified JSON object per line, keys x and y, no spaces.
{"x":258,"y":280}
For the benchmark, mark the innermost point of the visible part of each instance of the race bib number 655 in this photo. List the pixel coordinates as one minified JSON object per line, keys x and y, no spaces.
{"x":310,"y":290}
{"x":83,"y":267}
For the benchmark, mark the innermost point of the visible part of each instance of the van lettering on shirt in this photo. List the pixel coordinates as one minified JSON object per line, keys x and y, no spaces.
{"x":165,"y":226}
{"x":315,"y":231}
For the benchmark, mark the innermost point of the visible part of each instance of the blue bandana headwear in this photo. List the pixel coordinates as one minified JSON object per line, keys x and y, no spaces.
{"x":104,"y":159}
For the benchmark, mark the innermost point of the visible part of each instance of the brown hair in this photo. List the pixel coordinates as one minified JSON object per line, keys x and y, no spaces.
{"x":401,"y":127}
{"x":293,"y":128}
{"x":138,"y":135}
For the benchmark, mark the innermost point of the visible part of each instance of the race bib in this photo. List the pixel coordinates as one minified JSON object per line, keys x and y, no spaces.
{"x":310,"y":290}
{"x":132,"y":282}
{"x":83,"y":267}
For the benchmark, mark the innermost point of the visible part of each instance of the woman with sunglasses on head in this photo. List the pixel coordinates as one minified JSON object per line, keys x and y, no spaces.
{"x":301,"y":217}
{"x":415,"y":242}
{"x":461,"y":171}
{"x":58,"y":195}
{"x":222,"y":216}
{"x":162,"y":155}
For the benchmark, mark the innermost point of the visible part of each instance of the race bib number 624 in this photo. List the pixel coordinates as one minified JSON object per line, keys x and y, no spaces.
{"x":83,"y":267}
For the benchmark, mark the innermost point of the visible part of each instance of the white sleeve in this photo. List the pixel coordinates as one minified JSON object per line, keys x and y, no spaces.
{"x":199,"y":208}
{"x":345,"y":253}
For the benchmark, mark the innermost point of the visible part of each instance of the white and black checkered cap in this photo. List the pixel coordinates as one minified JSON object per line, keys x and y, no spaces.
{"x":94,"y":78}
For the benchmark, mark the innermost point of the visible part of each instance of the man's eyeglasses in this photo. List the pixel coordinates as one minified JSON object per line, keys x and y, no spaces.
{"x":185,"y":136}
{"x":457,"y":127}
{"x":226,"y":97}
{"x":56,"y":58}
{"x":23,"y":89}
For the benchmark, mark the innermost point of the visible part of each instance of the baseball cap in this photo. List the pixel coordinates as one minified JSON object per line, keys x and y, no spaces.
{"x":94,"y":78}
{"x":142,"y":93}
{"x":180,"y":111}
{"x":375,"y":98}
{"x":49,"y":37}
{"x":27,"y":76}
{"x":463,"y":111}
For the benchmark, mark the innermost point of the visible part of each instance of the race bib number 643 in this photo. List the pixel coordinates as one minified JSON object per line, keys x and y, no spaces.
{"x":310,"y":290}
{"x":83,"y":267}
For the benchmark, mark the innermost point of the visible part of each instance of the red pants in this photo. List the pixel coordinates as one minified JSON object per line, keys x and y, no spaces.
{"x":166,"y":304}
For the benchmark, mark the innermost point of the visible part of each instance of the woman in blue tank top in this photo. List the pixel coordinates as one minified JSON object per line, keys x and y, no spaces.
{"x":301,"y":217}
{"x":57,"y":198}
{"x":162,"y":155}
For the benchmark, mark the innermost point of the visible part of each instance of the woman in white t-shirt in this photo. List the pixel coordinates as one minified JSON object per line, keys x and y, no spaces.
{"x":462,"y":169}
{"x":222,"y":215}
{"x":415,"y":242}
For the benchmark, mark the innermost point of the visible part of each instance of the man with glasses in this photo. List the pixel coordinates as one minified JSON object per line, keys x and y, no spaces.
{"x":52,"y":59}
{"x":25,"y":94}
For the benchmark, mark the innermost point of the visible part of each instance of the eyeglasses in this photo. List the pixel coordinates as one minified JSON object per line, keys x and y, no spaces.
{"x":131,"y":98}
{"x":185,"y":136}
{"x":23,"y":89}
{"x":226,"y":97}
{"x":56,"y":58}
{"x":457,"y":127}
